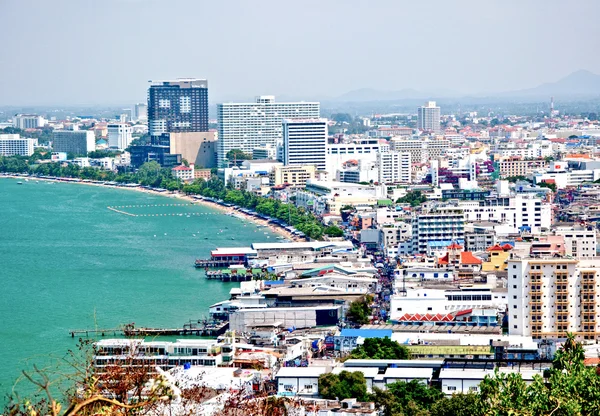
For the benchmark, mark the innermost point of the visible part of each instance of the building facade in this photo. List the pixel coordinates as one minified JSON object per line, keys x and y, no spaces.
{"x":436,"y":230}
{"x":78,"y":142}
{"x":394,"y":167}
{"x":428,"y":117}
{"x":550,"y":296}
{"x":13,"y":144}
{"x":119,"y":135}
{"x":304,"y":142}
{"x":28,"y":121}
{"x":294,"y":176}
{"x":246,"y":126}
{"x":178,"y":106}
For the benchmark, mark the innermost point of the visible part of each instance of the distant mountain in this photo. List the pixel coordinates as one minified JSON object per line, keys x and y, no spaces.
{"x":580,"y":83}
{"x":371,"y":94}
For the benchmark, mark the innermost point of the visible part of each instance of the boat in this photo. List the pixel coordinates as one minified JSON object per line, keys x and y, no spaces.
{"x":19,"y":183}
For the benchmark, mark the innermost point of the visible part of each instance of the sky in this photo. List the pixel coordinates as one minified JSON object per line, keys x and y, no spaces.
{"x":103,"y":52}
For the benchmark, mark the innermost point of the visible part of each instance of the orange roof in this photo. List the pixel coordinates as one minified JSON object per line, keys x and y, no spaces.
{"x":466,"y":257}
{"x":497,"y":247}
{"x":507,"y":247}
{"x":454,"y":246}
{"x":181,"y":167}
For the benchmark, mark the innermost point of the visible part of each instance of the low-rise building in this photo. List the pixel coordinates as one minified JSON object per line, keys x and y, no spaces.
{"x":184,"y":173}
{"x":294,"y":176}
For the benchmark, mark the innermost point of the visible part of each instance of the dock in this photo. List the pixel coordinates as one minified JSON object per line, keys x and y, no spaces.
{"x":192,"y":328}
{"x":235,"y":275}
{"x":213,"y":263}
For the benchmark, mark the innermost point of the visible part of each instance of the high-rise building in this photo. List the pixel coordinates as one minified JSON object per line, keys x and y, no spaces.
{"x":550,"y":296}
{"x":13,"y":144}
{"x":28,"y":121}
{"x":246,"y":126}
{"x":178,"y":106}
{"x":394,"y":167}
{"x":119,"y":135}
{"x":78,"y":142}
{"x":304,"y":142}
{"x":436,"y":230}
{"x":428,"y":117}
{"x":141,"y":112}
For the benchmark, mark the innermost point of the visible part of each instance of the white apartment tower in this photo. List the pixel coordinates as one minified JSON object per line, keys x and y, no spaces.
{"x":119,"y":135}
{"x":246,"y":126}
{"x":13,"y":144}
{"x":428,"y":117}
{"x":28,"y":121}
{"x":304,"y":142}
{"x":549,"y":297}
{"x":394,"y":167}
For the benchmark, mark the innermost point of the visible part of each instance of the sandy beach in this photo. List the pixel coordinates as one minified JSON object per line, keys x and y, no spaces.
{"x":188,"y":198}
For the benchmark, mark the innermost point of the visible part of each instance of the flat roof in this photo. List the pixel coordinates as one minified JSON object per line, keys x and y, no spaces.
{"x":409,"y":372}
{"x":301,"y":371}
{"x":367,"y":333}
{"x":355,"y":362}
{"x":314,"y":245}
{"x":477,"y":374}
{"x":369,"y":372}
{"x":229,"y":251}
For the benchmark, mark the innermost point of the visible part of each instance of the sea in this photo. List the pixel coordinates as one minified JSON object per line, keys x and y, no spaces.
{"x":68,"y":262}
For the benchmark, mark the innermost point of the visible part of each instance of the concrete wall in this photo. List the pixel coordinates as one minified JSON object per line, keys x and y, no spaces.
{"x":198,"y":148}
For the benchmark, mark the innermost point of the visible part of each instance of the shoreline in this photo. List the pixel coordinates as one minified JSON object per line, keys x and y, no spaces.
{"x":167,"y":194}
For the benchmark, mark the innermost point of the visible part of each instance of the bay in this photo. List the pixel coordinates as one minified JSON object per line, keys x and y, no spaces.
{"x":68,"y":262}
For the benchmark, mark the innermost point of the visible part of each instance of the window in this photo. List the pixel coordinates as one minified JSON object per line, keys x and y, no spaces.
{"x":451,"y":388}
{"x":473,"y":388}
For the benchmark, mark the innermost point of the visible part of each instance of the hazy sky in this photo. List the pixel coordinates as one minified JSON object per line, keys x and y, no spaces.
{"x":104,"y":51}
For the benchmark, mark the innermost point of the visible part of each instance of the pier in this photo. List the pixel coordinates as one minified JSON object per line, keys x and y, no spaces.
{"x":192,"y":328}
{"x":237,"y":275}
{"x":214,"y":263}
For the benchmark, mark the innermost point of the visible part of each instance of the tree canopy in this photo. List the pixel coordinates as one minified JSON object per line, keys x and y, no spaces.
{"x":380,"y":349}
{"x":414,"y":198}
{"x":345,"y":385}
{"x":360,"y":310}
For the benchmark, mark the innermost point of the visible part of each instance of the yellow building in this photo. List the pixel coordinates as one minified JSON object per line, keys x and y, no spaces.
{"x":498,"y":260}
{"x":294,"y":175}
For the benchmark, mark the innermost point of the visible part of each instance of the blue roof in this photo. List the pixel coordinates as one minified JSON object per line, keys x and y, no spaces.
{"x":367,"y":333}
{"x":444,"y":243}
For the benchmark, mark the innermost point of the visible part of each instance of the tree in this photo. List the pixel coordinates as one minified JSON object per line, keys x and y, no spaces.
{"x":457,"y":405}
{"x":414,"y":198}
{"x":360,"y":311}
{"x":400,"y":398}
{"x":345,"y":385}
{"x":238,"y":154}
{"x":549,"y":185}
{"x":380,"y":349}
{"x":333,"y":231}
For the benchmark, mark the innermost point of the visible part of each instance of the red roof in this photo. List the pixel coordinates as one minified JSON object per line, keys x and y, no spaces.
{"x":465,"y":312}
{"x":454,"y":246}
{"x":497,"y":247}
{"x":507,"y":247}
{"x":428,"y":317}
{"x":466,"y":257}
{"x":181,"y":167}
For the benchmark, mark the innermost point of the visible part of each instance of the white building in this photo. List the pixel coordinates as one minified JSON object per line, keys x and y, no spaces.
{"x":141,"y":112}
{"x":457,"y":381}
{"x":580,"y":242}
{"x":550,"y":296}
{"x":78,"y":142}
{"x":562,"y":176}
{"x":304,"y":142}
{"x":331,"y":196}
{"x":521,"y":210}
{"x":299,"y":381}
{"x":364,"y":150}
{"x":436,"y":231}
{"x":28,"y":121}
{"x":119,"y":135}
{"x":183,"y":172}
{"x":394,"y":167}
{"x":246,"y":126}
{"x":264,"y":152}
{"x":13,"y":144}
{"x":428,"y":117}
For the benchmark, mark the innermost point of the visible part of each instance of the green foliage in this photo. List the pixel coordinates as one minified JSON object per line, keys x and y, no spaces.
{"x":99,"y":154}
{"x":514,"y":179}
{"x":238,"y":154}
{"x":413,"y":398}
{"x":551,"y":186}
{"x":360,"y":310}
{"x":345,"y":385}
{"x":457,"y":405}
{"x":414,"y":198}
{"x":380,"y":349}
{"x":333,"y":231}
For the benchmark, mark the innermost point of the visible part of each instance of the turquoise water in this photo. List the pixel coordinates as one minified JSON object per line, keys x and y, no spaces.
{"x":68,"y":262}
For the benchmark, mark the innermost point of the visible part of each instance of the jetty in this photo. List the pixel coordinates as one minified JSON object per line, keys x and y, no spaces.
{"x":237,"y":275}
{"x":194,"y":328}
